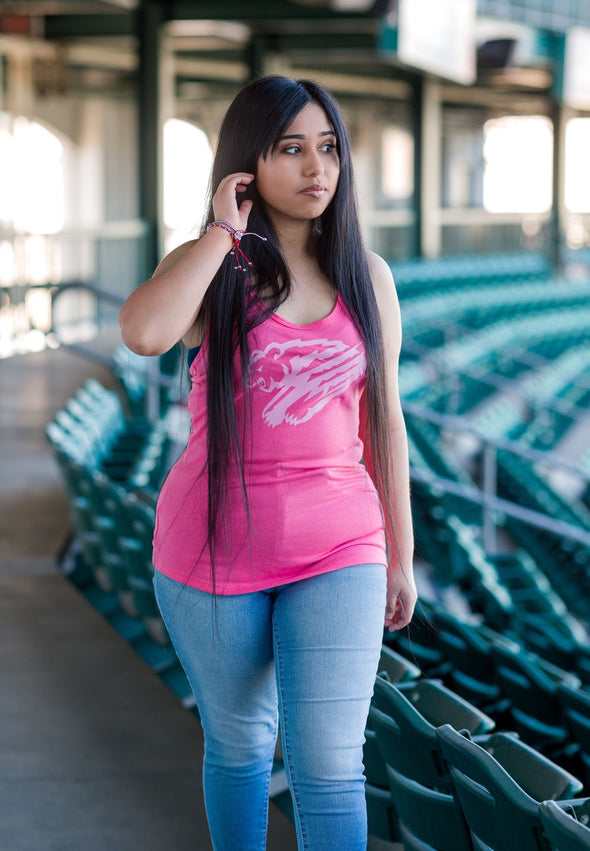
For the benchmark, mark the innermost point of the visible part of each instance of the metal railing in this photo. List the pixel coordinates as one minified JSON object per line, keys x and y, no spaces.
{"x":114,"y":255}
{"x":486,"y":495}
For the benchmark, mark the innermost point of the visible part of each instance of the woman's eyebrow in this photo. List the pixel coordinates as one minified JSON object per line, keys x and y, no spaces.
{"x":302,"y":135}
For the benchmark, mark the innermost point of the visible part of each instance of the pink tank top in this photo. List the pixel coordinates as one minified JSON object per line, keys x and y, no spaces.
{"x":313,"y":507}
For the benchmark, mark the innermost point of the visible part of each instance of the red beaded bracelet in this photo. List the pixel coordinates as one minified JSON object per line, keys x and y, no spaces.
{"x":236,"y":236}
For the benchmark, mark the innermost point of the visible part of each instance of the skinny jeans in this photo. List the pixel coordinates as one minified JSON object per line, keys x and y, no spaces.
{"x":305,"y":653}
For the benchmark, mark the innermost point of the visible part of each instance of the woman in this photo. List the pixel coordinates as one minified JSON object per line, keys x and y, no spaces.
{"x":279,"y":554}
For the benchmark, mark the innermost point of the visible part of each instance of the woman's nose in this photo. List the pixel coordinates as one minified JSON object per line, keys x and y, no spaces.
{"x":313,"y":164}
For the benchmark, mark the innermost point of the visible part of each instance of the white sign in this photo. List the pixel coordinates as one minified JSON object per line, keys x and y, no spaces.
{"x":576,"y":71}
{"x":439,"y":36}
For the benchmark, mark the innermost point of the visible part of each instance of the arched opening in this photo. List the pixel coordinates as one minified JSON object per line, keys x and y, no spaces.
{"x":187,"y":163}
{"x":32,"y":210}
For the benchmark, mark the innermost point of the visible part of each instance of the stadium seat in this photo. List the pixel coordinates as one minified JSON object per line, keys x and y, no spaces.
{"x":405,"y":721}
{"x":532,"y":686}
{"x":428,"y":820}
{"x":381,"y":818}
{"x":468,"y":647}
{"x":566,"y":827}
{"x":396,"y":668}
{"x":575,"y":705}
{"x":500,"y":790}
{"x":418,"y":643}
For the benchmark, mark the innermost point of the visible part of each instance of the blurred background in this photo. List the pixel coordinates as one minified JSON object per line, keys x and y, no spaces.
{"x":470,"y":124}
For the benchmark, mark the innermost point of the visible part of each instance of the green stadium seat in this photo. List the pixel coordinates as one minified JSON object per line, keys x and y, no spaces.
{"x":381,"y":818}
{"x":405,"y":719}
{"x":428,"y":820}
{"x":532,"y":684}
{"x":500,"y":789}
{"x":396,"y":668}
{"x":566,"y":827}
{"x":575,"y":705}
{"x":468,"y":647}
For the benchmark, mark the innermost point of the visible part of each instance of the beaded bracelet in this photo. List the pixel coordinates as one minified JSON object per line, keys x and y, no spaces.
{"x":236,"y":236}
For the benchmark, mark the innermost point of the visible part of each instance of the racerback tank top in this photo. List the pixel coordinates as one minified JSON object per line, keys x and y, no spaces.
{"x":313,"y":507}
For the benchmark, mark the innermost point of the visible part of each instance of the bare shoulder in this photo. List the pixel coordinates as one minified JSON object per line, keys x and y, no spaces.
{"x":383,"y":284}
{"x":378,"y":267}
{"x":170,"y":259}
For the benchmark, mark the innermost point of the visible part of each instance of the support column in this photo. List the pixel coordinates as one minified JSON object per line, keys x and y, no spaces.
{"x":416,"y":129}
{"x":154,"y":102}
{"x":429,"y":163}
{"x":559,"y":115}
{"x":256,"y":54}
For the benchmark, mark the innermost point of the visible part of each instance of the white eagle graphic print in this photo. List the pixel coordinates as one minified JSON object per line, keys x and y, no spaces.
{"x":302,"y":376}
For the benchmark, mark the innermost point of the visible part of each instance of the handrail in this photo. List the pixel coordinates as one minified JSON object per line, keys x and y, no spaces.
{"x":504,"y":506}
{"x":455,"y":423}
{"x":104,"y":295}
{"x":117,"y":229}
{"x":487,"y":496}
{"x":154,"y":377}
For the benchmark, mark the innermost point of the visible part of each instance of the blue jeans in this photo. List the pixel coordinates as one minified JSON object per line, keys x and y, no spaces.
{"x":306,"y":653}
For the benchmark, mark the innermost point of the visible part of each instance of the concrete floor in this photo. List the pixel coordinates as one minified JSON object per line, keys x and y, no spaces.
{"x":96,"y":753}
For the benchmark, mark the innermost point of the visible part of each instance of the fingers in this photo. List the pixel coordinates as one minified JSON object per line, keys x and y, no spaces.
{"x":225,"y":199}
{"x":238,"y":181}
{"x":401,"y":600}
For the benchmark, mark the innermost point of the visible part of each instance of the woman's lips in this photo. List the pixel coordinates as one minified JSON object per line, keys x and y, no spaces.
{"x":314,"y":191}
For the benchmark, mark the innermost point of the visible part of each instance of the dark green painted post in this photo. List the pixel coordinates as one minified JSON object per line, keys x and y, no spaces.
{"x":150,"y":19}
{"x":149,"y":34}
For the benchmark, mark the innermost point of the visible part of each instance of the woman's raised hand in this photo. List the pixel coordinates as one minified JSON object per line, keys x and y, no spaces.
{"x":225,"y":200}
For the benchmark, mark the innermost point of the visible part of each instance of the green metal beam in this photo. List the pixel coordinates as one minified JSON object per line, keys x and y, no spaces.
{"x":88,"y":26}
{"x":254,"y":10}
{"x":249,"y":11}
{"x":349,"y":43}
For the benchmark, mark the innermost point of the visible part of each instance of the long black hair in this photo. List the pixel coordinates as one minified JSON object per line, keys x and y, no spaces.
{"x":253,"y":124}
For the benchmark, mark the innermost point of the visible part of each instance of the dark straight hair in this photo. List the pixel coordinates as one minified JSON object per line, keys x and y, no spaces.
{"x":252,"y":127}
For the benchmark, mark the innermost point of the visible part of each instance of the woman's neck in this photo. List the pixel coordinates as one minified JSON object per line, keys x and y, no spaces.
{"x":296,"y":239}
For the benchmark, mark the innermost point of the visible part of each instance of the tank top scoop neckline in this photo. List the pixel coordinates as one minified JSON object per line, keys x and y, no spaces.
{"x":193,"y":352}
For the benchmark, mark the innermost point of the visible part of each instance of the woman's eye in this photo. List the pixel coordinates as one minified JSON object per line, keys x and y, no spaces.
{"x":328,"y":147}
{"x":292,"y":149}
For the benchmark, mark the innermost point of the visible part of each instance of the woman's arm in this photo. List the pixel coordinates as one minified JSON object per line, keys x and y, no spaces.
{"x":401,"y":588}
{"x":164,"y":309}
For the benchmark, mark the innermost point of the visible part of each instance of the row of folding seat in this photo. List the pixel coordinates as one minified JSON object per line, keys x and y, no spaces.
{"x":417,"y":277}
{"x":547,"y":705}
{"x":474,"y":306}
{"x":112,"y":467}
{"x":546,"y":333}
{"x":134,"y":373}
{"x":565,"y":562}
{"x":417,"y":765}
{"x":506,"y":588}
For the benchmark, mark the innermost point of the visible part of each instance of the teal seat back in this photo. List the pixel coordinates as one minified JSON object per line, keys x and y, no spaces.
{"x":428,"y":820}
{"x":502,"y":814}
{"x":396,"y":668}
{"x":405,"y":719}
{"x":563,"y":829}
{"x":380,"y":813}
